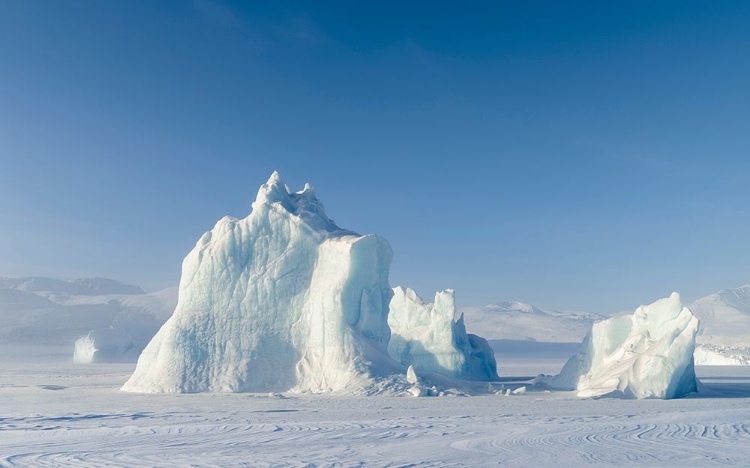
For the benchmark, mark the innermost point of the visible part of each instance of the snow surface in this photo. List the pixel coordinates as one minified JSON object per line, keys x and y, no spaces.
{"x":425,"y":336}
{"x":648,"y":354}
{"x":281,"y":300}
{"x":62,"y":414}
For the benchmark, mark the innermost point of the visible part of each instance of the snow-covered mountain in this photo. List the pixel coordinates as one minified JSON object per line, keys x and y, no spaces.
{"x":38,"y":311}
{"x":524,"y":321}
{"x":76,"y":287}
{"x":724,"y":333}
{"x":48,"y":311}
{"x":725,"y":317}
{"x":723,"y":336}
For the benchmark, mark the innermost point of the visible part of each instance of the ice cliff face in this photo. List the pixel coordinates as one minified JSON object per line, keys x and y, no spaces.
{"x":647,"y":354}
{"x":280,"y":300}
{"x":426,"y":337}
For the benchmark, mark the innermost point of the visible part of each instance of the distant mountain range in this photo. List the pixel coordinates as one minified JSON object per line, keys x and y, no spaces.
{"x":78,"y":287}
{"x":49,"y":311}
{"x":524,"y":321}
{"x":38,"y":311}
{"x":723,"y":336}
{"x":725,"y":317}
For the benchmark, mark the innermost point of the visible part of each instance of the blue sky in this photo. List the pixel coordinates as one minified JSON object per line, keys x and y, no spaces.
{"x":578,"y":155}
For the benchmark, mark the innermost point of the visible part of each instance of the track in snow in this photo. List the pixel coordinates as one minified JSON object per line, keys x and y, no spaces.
{"x":85,"y":421}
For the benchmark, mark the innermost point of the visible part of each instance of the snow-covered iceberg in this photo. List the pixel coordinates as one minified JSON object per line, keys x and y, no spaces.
{"x":281,"y":300}
{"x":84,"y":350}
{"x":647,"y":354}
{"x":121,"y":341}
{"x":425,"y":336}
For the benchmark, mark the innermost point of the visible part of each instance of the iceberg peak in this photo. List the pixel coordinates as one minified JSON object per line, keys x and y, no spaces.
{"x":274,"y":179}
{"x":303,"y":204}
{"x":307,"y":190}
{"x":275,"y":190}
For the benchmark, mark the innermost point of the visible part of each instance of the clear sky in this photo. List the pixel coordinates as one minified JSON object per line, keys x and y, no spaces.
{"x":577,"y":155}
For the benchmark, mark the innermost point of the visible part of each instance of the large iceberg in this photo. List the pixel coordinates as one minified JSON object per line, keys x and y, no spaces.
{"x":281,"y":300}
{"x":647,"y":354}
{"x":425,"y":336}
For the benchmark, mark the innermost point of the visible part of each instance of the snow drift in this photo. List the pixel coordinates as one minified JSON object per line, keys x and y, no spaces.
{"x":280,"y":300}
{"x":426,"y":337}
{"x":647,"y":354}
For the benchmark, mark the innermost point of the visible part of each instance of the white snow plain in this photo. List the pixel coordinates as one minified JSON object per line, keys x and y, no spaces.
{"x":647,"y":354}
{"x":63,"y":414}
